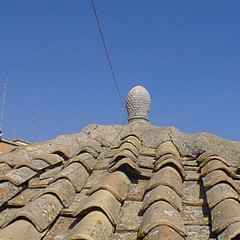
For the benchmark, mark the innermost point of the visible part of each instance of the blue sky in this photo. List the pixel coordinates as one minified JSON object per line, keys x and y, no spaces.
{"x":186,"y":53}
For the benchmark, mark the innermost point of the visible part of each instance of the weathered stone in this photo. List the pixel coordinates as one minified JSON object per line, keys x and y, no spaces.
{"x":124,"y":236}
{"x":77,"y":204}
{"x":196,"y":232}
{"x":193,"y":215}
{"x":130,"y":218}
{"x":192,"y":194}
{"x":96,"y":177}
{"x":136,"y":190}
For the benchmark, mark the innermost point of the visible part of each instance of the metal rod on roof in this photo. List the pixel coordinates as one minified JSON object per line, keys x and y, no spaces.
{"x":3,"y":101}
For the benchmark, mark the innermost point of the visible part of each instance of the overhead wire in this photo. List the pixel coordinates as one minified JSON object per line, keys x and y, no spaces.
{"x":107,"y":54}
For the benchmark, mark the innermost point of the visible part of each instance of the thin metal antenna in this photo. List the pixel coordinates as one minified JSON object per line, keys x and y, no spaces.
{"x":34,"y":120}
{"x":3,"y":101}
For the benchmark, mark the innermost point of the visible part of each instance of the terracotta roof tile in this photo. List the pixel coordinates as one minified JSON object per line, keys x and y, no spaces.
{"x":167,"y":176}
{"x":162,"y":193}
{"x":222,"y":195}
{"x":50,"y":173}
{"x":105,"y":201}
{"x":161,"y":213}
{"x":25,"y":197}
{"x":7,"y":191}
{"x":20,"y":230}
{"x":63,"y":189}
{"x":231,"y":232}
{"x":167,"y":148}
{"x":86,"y":159}
{"x":51,"y":159}
{"x":94,"y":225}
{"x":130,"y":147}
{"x":60,"y":229}
{"x":194,"y":215}
{"x":77,"y":203}
{"x":18,"y":176}
{"x":224,"y":214}
{"x":221,"y":192}
{"x":7,"y":216}
{"x":116,"y":183}
{"x":75,"y":173}
{"x":125,"y":164}
{"x":37,"y":164}
{"x":124,"y":236}
{"x":39,"y":183}
{"x":137,"y":189}
{"x":171,"y":162}
{"x":216,"y":177}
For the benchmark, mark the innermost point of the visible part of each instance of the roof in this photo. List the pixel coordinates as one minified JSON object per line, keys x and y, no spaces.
{"x":136,"y":181}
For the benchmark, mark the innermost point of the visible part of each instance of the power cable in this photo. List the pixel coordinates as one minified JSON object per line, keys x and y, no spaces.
{"x":107,"y":54}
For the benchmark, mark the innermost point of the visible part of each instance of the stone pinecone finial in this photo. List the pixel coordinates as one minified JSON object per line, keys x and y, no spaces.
{"x":138,"y":103}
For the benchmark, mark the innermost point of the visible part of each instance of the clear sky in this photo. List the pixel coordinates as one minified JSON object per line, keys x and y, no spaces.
{"x":186,"y":53}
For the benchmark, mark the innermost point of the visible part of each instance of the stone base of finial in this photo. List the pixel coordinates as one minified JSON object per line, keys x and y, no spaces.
{"x":137,"y":118}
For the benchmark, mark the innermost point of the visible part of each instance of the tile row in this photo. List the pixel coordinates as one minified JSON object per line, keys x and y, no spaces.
{"x":162,"y":201}
{"x":222,"y":194}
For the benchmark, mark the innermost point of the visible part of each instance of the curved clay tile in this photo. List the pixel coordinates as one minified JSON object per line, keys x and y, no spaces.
{"x":117,"y":183}
{"x":167,"y":148}
{"x":124,"y":154}
{"x":104,"y":200}
{"x":216,"y":164}
{"x":173,"y":163}
{"x":231,"y":232}
{"x":63,"y":189}
{"x":75,"y":173}
{"x":126,"y":165}
{"x":86,"y":159}
{"x":130,"y":147}
{"x":161,"y":213}
{"x":42,"y":211}
{"x":50,"y":158}
{"x":21,"y":229}
{"x":18,"y":176}
{"x":167,"y":176}
{"x":216,"y":177}
{"x":163,"y":193}
{"x":94,"y":225}
{"x":224,"y":214}
{"x":220,"y":192}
